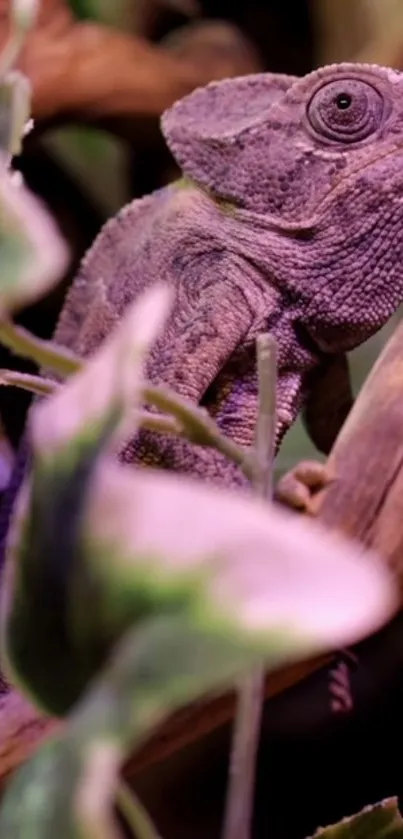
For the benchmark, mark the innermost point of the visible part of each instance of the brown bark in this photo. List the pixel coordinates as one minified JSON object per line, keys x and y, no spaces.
{"x":365,"y":500}
{"x":23,"y":729}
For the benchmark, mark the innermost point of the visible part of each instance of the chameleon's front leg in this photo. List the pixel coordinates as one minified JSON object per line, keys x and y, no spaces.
{"x":328,"y":403}
{"x":198,"y":343}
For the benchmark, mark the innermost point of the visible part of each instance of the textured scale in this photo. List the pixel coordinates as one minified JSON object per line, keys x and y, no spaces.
{"x":288,"y":219}
{"x":207,"y":352}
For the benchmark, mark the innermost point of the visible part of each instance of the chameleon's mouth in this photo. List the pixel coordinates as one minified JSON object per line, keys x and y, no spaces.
{"x":306,"y":228}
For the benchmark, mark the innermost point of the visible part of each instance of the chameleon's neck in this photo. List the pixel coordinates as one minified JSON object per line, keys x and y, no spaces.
{"x":264,"y":261}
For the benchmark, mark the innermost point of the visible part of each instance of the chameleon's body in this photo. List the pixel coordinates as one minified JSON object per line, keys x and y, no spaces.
{"x":223,"y":300}
{"x":289,"y":219}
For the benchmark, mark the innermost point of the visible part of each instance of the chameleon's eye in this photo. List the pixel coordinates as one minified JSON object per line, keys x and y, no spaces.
{"x":346,"y":111}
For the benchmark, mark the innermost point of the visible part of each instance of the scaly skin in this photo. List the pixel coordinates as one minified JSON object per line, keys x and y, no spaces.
{"x":289,"y":219}
{"x":223,"y":301}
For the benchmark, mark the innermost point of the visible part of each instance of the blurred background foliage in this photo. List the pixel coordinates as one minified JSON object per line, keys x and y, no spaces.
{"x":86,"y":170}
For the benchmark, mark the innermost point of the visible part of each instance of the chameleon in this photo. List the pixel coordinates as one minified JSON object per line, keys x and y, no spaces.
{"x":288,"y":219}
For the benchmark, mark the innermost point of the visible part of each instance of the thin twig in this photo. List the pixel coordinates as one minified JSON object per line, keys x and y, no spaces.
{"x":44,"y":353}
{"x":240,"y":798}
{"x":198,"y":427}
{"x":41,"y":386}
{"x":188,"y":420}
{"x":192,"y":422}
{"x":11,"y":52}
{"x":267,"y":419}
{"x":134,"y":813}
{"x":22,"y":17}
{"x":27,"y":381}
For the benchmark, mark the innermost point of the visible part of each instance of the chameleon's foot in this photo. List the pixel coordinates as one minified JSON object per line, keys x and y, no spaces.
{"x":340,"y":688}
{"x":297,"y":487}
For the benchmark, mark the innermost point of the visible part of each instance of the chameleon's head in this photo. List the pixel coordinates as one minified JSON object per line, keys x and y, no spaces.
{"x":320,"y":159}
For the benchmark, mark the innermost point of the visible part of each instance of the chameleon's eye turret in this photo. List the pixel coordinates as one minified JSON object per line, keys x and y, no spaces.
{"x":346,"y":110}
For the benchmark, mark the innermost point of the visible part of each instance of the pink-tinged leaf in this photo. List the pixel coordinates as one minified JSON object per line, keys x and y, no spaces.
{"x":259,"y":567}
{"x":33,"y":256}
{"x":110,"y":381}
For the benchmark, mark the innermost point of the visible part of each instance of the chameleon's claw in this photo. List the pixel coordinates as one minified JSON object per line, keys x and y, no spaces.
{"x":297,"y":487}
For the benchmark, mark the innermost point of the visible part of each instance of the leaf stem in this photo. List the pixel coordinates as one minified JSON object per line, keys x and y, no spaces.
{"x":21,"y":20}
{"x":11,"y":51}
{"x":267,"y":415}
{"x":134,"y":813}
{"x":44,"y":353}
{"x":190,"y":421}
{"x":27,"y":381}
{"x":198,"y":427}
{"x":245,"y":743}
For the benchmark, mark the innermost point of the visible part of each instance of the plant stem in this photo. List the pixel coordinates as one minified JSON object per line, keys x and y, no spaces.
{"x":198,"y":427}
{"x":135,"y":814}
{"x":21,"y":20}
{"x":267,"y":417}
{"x":44,"y":353}
{"x":192,"y":422}
{"x":245,"y":743}
{"x":26,"y":381}
{"x":161,"y":424}
{"x":11,"y":51}
{"x":42,"y":386}
{"x":188,"y":421}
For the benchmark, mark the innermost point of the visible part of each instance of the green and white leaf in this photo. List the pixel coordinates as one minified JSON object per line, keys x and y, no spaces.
{"x":15,"y":109}
{"x":129,"y":593}
{"x":378,"y":821}
{"x":33,"y":255}
{"x":106,"y":392}
{"x":114,"y":547}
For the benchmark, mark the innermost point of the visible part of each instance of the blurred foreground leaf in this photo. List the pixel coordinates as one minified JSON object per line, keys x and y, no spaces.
{"x":33,"y":255}
{"x":69,"y":788}
{"x":130,"y":592}
{"x":138,"y":544}
{"x":15,"y":95}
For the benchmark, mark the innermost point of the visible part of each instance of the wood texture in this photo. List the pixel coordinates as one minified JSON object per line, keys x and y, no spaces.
{"x":365,"y":499}
{"x":23,"y":729}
